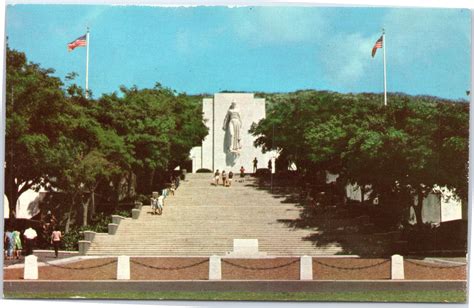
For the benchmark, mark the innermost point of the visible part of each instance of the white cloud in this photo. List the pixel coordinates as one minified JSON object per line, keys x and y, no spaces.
{"x":414,"y":35}
{"x":278,"y":25}
{"x":346,"y":58}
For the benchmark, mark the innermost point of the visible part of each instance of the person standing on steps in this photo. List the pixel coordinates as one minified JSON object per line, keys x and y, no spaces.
{"x":56,"y":241}
{"x":154,"y":202}
{"x":172,"y":189}
{"x":231,"y":176}
{"x":161,"y":204}
{"x":224,"y":178}
{"x":255,"y":163}
{"x":217,"y":175}
{"x":242,"y":173}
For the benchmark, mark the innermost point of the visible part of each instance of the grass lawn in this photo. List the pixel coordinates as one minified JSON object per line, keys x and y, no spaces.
{"x":379,"y":296}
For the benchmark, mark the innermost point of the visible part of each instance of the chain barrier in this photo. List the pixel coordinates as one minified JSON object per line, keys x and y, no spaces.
{"x":351,"y":268}
{"x":434,"y":266}
{"x":10,"y":262}
{"x":169,"y":268}
{"x":260,"y":268}
{"x":78,"y":268}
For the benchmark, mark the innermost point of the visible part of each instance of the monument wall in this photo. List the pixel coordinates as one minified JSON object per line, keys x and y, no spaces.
{"x":214,"y":152}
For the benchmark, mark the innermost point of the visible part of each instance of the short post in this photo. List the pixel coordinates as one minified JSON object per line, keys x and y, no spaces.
{"x":30,"y":272}
{"x":215,"y":272}
{"x":306,"y":268}
{"x":112,"y":229}
{"x":116,"y":219}
{"x":83,"y":247}
{"x":138,"y":205}
{"x":89,"y":235}
{"x":123,"y":268}
{"x":398,"y":271}
{"x":135,"y":213}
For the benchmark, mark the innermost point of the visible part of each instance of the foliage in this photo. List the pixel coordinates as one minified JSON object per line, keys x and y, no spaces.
{"x":203,"y":170}
{"x":70,"y":239}
{"x":402,"y":150}
{"x":61,"y":140}
{"x":37,"y":123}
{"x":158,"y":126}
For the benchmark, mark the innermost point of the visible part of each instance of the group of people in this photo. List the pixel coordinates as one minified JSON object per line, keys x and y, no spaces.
{"x":13,"y":242}
{"x":226,"y":178}
{"x":157,"y":200}
{"x":255,"y":165}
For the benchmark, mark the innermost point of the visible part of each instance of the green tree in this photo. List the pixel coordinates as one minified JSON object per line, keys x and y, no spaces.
{"x":402,"y":151}
{"x":36,"y":123}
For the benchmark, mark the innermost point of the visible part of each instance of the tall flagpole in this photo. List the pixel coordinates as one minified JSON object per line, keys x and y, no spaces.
{"x":384,"y":69}
{"x":87,"y":64}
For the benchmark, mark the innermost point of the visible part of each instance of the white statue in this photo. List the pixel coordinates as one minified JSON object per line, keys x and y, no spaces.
{"x":232,"y":124}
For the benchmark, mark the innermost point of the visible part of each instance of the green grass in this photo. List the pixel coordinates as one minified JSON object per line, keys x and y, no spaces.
{"x":374,"y":296}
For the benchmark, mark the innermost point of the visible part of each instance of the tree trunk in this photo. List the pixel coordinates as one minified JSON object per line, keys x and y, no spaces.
{"x":68,"y":220}
{"x":85,"y":208}
{"x":11,"y":191}
{"x":464,"y":209}
{"x":12,"y":196}
{"x":151,"y":179}
{"x":92,"y":211}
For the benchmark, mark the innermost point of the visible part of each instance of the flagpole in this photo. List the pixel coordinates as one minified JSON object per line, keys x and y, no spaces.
{"x":384,"y":69}
{"x":87,"y":64}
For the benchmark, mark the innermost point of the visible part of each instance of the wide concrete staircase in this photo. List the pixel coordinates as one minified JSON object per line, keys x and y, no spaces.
{"x":202,"y":219}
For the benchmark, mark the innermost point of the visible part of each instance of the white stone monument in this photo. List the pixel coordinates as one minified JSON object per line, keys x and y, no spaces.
{"x":229,"y":145}
{"x":306,"y":268}
{"x":30,"y":271}
{"x":215,"y":271}
{"x":397,"y":268}
{"x":123,"y":268}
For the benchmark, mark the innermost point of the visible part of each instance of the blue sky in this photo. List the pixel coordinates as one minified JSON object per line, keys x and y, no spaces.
{"x":272,"y":49}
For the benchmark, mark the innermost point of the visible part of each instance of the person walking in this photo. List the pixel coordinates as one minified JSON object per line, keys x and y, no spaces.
{"x":56,"y":241}
{"x":270,"y":164}
{"x":161,"y":204}
{"x":154,"y":203}
{"x":224,"y":178}
{"x":217,"y":175}
{"x":17,"y":244}
{"x":9,"y":244}
{"x":255,"y":164}
{"x":231,"y":176}
{"x":30,"y":237}
{"x":242,"y":173}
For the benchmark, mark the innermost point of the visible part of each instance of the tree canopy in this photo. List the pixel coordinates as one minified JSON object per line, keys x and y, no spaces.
{"x":403,"y":149}
{"x":57,"y":138}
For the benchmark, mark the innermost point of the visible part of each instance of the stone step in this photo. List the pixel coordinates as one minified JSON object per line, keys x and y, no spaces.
{"x":202,"y":219}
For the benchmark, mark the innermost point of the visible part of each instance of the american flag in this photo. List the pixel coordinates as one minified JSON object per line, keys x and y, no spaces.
{"x":378,"y":44}
{"x":80,"y":41}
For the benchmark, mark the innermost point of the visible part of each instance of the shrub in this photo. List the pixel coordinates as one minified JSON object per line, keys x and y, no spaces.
{"x":143,"y":199}
{"x":203,"y":170}
{"x":70,"y":240}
